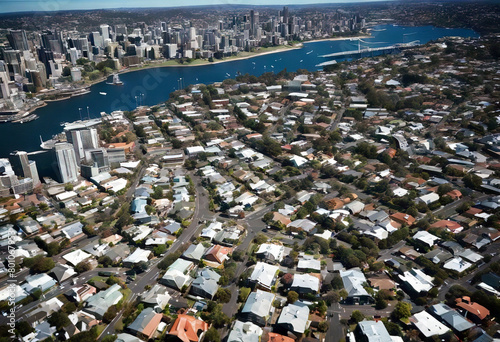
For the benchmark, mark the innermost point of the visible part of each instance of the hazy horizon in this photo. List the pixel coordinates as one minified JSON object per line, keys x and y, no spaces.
{"x":9,"y":6}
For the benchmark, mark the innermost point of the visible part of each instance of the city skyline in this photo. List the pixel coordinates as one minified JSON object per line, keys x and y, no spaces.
{"x":9,"y":6}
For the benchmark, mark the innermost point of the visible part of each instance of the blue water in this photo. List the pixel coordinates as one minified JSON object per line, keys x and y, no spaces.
{"x":152,"y":86}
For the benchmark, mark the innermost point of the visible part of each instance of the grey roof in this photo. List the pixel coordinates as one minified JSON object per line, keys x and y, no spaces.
{"x":99,"y":303}
{"x":453,"y":246}
{"x":206,"y":282}
{"x":194,"y":252}
{"x":456,"y":321}
{"x":438,"y":255}
{"x":142,"y":320}
{"x":259,"y":303}
{"x":294,"y":317}
{"x":353,"y":280}
{"x":118,"y":252}
{"x":62,"y":272}
{"x":73,"y":229}
{"x":127,"y":338}
{"x":374,"y":331}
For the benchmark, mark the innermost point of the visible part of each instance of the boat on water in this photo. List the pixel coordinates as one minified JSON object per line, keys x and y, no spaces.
{"x":309,"y":52}
{"x":103,"y":93}
{"x":116,"y":80}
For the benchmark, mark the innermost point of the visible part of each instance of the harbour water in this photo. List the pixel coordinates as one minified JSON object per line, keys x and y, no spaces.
{"x":152,"y":86}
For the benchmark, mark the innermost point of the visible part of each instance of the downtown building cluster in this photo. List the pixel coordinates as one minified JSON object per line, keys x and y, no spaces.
{"x":56,"y":58}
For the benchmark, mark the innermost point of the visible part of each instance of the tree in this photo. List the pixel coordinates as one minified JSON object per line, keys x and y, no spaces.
{"x":357,"y":316}
{"x":244,"y":293}
{"x":223,"y":295}
{"x":110,"y":314}
{"x":402,"y":310}
{"x":109,"y":338}
{"x":23,"y":328}
{"x":472,"y":181}
{"x":212,"y":335}
{"x":83,"y":266}
{"x":59,"y":320}
{"x":39,"y":264}
{"x":380,"y":303}
{"x":292,"y":297}
{"x":160,"y":249}
{"x":66,"y":71}
{"x":105,"y":261}
{"x":323,"y":326}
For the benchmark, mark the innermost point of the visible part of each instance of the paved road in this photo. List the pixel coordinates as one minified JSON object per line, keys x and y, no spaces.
{"x":336,"y":330}
{"x":450,"y":209}
{"x":337,"y":119}
{"x":149,"y":277}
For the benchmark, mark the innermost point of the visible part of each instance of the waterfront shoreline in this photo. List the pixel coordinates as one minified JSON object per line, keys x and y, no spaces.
{"x":236,"y":58}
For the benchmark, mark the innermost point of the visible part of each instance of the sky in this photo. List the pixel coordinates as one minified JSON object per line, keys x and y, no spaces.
{"x":7,"y":6}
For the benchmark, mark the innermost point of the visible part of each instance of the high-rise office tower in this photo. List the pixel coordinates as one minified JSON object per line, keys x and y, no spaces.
{"x":18,"y":40}
{"x":254,"y":22}
{"x":285,"y":14}
{"x":64,"y":163}
{"x":24,"y":167}
{"x":104,"y":32}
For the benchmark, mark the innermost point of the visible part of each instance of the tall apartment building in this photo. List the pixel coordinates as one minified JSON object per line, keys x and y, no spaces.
{"x":65,"y":164}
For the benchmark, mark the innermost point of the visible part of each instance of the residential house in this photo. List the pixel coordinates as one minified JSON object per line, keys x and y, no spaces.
{"x":194,"y":252}
{"x":264,"y":276}
{"x":373,"y":331}
{"x":417,"y":281}
{"x":472,"y":311}
{"x":99,"y":303}
{"x":306,"y":283}
{"x":40,"y":281}
{"x":304,"y":225}
{"x":428,"y":198}
{"x":61,"y":272}
{"x":139,"y":255}
{"x":205,"y":284}
{"x":257,"y":308}
{"x":294,"y":318}
{"x":217,"y":254}
{"x":177,"y":274}
{"x":146,"y":323}
{"x":244,"y":331}
{"x":403,"y":218}
{"x":353,"y":281}
{"x":456,"y":321}
{"x":270,"y":252}
{"x":157,"y":298}
{"x":428,"y":325}
{"x":188,"y":328}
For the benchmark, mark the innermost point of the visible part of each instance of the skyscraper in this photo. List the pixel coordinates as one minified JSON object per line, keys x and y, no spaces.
{"x":285,"y":14}
{"x":82,"y":139}
{"x":104,"y":32}
{"x":24,"y":167}
{"x":254,"y":22}
{"x":18,"y":40}
{"x":64,"y":163}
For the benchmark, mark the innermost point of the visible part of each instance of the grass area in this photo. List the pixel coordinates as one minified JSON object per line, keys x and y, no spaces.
{"x":98,"y":278}
{"x":126,"y":294}
{"x":119,"y":325}
{"x":190,"y":302}
{"x":100,"y":328}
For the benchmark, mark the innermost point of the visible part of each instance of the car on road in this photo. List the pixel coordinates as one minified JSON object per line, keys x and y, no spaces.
{"x":264,"y":230}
